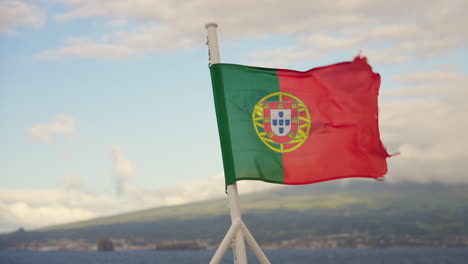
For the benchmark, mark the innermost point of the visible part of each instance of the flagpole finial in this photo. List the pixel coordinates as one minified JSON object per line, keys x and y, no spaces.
{"x":209,"y":24}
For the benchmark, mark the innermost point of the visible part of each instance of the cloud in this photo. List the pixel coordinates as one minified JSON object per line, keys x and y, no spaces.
{"x":187,"y":191}
{"x":36,"y":208}
{"x":118,"y":22}
{"x":382,"y":43}
{"x":73,"y":183}
{"x":15,"y":13}
{"x":414,"y":29}
{"x":439,"y":77}
{"x":61,"y":125}
{"x":441,"y":84}
{"x":428,"y":128}
{"x":123,"y":169}
{"x":23,"y":215}
{"x":75,"y":200}
{"x":121,"y":44}
{"x":103,"y":50}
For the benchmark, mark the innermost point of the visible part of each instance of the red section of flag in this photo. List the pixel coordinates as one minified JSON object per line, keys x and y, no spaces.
{"x":344,"y":139}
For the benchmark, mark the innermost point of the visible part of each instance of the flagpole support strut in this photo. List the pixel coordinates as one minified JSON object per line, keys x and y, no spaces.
{"x":238,"y":233}
{"x":240,"y":256}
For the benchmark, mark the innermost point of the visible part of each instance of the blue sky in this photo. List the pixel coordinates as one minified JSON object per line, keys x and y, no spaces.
{"x":106,"y":106}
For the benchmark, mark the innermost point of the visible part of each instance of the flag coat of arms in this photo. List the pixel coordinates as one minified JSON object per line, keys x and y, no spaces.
{"x":280,"y":120}
{"x":292,"y":127}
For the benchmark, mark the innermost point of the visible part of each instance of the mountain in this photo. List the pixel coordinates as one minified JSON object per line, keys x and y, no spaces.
{"x":361,"y":213}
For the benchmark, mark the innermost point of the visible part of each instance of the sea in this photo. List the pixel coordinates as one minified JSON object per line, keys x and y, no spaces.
{"x":299,"y":256}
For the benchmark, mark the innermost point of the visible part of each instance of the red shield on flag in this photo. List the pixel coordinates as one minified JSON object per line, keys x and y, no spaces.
{"x":281,"y":120}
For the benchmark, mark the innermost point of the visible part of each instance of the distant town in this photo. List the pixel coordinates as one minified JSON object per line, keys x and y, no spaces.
{"x":355,"y":240}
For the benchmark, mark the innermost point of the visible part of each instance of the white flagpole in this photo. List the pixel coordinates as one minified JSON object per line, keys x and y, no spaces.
{"x":239,"y":245}
{"x":238,"y":228}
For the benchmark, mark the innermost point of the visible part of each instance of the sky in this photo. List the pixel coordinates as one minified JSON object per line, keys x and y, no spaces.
{"x":106,"y":106}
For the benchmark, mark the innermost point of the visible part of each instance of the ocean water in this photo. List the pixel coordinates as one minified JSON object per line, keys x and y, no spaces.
{"x":322,"y":256}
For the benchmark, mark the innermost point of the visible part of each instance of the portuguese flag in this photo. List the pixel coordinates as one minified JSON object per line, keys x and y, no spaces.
{"x":292,"y":127}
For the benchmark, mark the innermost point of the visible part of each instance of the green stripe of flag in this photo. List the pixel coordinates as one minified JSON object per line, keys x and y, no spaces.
{"x":237,"y":89}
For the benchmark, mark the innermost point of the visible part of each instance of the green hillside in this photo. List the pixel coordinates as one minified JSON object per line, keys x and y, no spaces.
{"x":330,"y":198}
{"x":363,"y":213}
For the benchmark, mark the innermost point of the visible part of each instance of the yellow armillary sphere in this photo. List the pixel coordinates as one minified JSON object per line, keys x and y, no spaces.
{"x":282,"y":121}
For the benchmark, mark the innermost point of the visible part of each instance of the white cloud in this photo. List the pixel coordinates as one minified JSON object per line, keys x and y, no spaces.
{"x":119,"y":45}
{"x":23,"y":214}
{"x":414,"y":29}
{"x":449,"y":78}
{"x":76,"y":201}
{"x":429,"y":129}
{"x":36,"y":208}
{"x":15,"y":13}
{"x":73,"y":183}
{"x":442,"y":84}
{"x":123,"y":169}
{"x":189,"y":191}
{"x":102,"y":50}
{"x":382,"y":43}
{"x":61,"y":125}
{"x":118,"y":22}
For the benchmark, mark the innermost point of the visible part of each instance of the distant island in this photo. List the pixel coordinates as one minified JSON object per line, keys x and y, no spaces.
{"x":363,"y":214}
